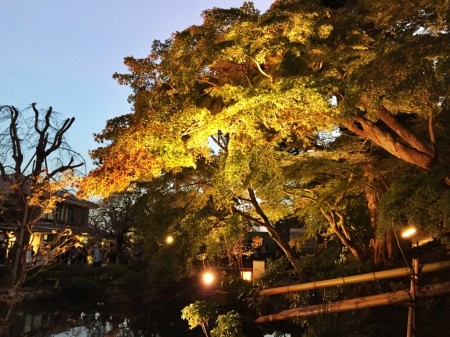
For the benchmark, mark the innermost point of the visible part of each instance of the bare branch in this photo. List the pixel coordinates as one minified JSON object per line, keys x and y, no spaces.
{"x":64,"y":168}
{"x":270,"y":77}
{"x":15,"y":139}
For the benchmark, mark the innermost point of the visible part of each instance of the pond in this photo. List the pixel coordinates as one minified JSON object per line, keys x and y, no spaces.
{"x":97,"y":320}
{"x":69,"y":319}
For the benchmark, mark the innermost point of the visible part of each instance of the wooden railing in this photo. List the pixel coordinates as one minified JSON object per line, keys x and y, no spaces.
{"x":368,"y":301}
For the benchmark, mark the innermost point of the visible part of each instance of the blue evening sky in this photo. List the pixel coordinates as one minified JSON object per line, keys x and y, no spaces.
{"x":63,"y":53}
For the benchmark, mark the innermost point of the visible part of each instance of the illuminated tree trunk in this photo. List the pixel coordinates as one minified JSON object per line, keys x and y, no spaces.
{"x":384,"y":246}
{"x":410,"y":149}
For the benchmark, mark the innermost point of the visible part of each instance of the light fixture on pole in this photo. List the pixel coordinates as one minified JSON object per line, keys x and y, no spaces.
{"x":409,"y":232}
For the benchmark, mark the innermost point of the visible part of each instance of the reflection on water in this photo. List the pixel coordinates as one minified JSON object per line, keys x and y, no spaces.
{"x":57,"y":319}
{"x":87,"y":326}
{"x":97,"y":321}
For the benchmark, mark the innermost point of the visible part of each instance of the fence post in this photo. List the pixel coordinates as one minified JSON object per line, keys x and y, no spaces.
{"x":412,"y":303}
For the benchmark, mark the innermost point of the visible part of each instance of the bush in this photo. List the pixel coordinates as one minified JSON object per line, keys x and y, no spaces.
{"x":197,"y":314}
{"x":228,"y":325}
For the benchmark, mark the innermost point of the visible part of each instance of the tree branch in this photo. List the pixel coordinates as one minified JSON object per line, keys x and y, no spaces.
{"x":270,"y":77}
{"x":15,"y":139}
{"x":64,"y":168}
{"x":367,"y":129}
{"x":403,"y":132}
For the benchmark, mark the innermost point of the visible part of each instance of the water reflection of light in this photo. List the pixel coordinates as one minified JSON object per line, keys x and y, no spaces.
{"x":68,"y":322}
{"x":124,"y":324}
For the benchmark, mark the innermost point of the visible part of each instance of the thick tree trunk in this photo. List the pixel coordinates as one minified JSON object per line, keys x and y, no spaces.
{"x":23,"y":235}
{"x":384,"y":247}
{"x":415,"y":151}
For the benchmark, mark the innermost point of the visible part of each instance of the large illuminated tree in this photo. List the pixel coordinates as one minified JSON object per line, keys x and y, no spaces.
{"x":264,"y":88}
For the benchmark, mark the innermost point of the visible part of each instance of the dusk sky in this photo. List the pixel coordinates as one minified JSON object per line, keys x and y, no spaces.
{"x":63,"y":53}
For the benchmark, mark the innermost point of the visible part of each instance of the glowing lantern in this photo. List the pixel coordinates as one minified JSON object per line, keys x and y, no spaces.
{"x":208,"y":278}
{"x":407,"y":233}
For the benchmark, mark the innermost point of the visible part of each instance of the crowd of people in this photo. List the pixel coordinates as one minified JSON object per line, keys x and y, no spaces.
{"x":93,"y":254}
{"x":76,"y":254}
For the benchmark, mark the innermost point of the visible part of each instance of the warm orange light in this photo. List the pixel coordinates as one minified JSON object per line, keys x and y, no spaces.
{"x":407,"y":233}
{"x":246,"y":275}
{"x":208,"y":278}
{"x":169,"y":239}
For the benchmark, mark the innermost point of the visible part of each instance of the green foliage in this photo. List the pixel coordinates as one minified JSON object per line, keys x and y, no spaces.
{"x":228,"y":325}
{"x":197,"y":314}
{"x":300,"y":101}
{"x":275,"y":273}
{"x":167,"y":265}
{"x":415,"y":198}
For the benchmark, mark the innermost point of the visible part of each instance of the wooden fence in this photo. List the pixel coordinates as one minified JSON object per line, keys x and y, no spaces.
{"x":368,"y":301}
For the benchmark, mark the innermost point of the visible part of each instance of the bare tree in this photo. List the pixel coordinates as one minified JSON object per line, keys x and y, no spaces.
{"x":33,"y":157}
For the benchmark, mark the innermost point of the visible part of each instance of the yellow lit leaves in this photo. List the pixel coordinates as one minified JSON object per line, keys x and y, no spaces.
{"x":290,"y":107}
{"x":145,"y":152}
{"x":300,"y":27}
{"x":323,"y":31}
{"x":45,"y":194}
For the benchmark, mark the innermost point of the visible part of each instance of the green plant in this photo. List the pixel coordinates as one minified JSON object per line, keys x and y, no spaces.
{"x":228,"y":325}
{"x":197,"y":314}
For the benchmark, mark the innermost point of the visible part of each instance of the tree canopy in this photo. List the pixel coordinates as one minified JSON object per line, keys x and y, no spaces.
{"x":314,"y":85}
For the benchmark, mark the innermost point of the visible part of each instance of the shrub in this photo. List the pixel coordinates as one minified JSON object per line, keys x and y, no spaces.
{"x":228,"y":325}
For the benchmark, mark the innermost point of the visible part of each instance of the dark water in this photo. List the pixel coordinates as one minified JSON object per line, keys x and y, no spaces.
{"x":61,"y":319}
{"x":57,"y":319}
